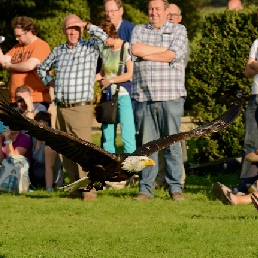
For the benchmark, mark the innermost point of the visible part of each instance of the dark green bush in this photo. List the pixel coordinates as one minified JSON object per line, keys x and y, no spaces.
{"x":214,"y":75}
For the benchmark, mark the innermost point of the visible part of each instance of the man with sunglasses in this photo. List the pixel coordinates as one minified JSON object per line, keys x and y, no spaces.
{"x":22,"y":60}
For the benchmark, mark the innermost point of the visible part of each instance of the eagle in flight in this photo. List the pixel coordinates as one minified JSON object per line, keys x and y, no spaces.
{"x":102,"y":165}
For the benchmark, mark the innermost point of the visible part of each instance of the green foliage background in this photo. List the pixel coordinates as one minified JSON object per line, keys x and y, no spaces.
{"x":214,"y":75}
{"x":49,"y":15}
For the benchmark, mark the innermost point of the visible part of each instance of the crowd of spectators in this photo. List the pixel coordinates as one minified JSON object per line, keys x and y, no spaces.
{"x":150,"y":103}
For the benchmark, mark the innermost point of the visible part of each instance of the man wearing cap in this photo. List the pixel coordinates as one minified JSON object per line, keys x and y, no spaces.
{"x":75,"y":65}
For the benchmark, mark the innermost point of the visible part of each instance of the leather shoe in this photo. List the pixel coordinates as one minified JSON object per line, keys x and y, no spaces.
{"x":142,"y":197}
{"x":176,"y":196}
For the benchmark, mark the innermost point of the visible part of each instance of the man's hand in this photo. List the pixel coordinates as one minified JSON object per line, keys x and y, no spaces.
{"x":78,"y":24}
{"x":254,"y":65}
{"x":7,"y":134}
{"x":27,"y":99}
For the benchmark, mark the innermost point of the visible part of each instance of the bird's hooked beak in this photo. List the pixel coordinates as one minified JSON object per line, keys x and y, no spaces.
{"x":149,"y":162}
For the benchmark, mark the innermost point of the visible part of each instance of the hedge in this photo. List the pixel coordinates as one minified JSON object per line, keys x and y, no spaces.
{"x":215,"y":74}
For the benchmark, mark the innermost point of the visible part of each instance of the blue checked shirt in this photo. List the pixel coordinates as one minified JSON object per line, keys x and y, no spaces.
{"x":75,"y":68}
{"x":160,"y":81}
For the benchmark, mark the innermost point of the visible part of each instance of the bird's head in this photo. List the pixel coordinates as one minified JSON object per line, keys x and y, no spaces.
{"x":137,"y":163}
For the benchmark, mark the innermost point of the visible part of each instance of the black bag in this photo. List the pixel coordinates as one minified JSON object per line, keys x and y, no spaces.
{"x":106,"y":110}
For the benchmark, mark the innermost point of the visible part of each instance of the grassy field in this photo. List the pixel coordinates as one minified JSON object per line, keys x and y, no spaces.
{"x":42,"y":224}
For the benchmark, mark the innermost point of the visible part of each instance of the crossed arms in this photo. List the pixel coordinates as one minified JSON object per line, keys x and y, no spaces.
{"x":29,"y":65}
{"x":152,"y":53}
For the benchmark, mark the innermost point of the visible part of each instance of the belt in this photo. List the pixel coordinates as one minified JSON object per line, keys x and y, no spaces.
{"x":76,"y":104}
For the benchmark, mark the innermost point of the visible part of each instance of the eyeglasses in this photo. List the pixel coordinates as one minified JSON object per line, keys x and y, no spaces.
{"x":171,"y":15}
{"x":18,"y":36}
{"x":111,"y":11}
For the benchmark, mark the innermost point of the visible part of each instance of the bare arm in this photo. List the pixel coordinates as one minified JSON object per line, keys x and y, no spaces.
{"x":121,"y":78}
{"x":26,"y":66}
{"x":251,"y":68}
{"x":17,"y":151}
{"x":29,"y":102}
{"x":4,"y":58}
{"x":50,"y":158}
{"x":10,"y":150}
{"x":101,"y":74}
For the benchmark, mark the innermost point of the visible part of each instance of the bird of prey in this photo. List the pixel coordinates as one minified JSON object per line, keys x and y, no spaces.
{"x":102,"y":165}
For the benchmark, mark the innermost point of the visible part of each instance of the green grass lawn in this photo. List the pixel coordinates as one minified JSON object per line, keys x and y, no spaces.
{"x":42,"y":224}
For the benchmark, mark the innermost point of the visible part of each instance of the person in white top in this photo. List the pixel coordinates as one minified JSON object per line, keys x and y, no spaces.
{"x":251,"y":115}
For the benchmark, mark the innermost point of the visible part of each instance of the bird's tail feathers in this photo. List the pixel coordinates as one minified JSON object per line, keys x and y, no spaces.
{"x":83,"y":182}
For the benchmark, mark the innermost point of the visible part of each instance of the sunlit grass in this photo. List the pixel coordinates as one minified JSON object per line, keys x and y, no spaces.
{"x":42,"y":224}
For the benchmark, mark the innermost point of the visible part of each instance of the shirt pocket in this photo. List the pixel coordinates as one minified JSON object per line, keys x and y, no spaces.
{"x":167,"y":40}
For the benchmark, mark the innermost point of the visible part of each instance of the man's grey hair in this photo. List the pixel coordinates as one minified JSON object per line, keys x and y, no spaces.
{"x":179,"y":10}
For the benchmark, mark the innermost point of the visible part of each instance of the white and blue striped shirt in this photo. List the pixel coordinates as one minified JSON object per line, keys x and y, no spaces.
{"x":75,"y":68}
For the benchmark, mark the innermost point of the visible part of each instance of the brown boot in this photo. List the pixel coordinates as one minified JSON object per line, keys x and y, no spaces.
{"x":176,"y":196}
{"x":142,"y":197}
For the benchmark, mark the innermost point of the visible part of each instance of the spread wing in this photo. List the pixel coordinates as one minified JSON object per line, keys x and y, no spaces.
{"x":82,"y":152}
{"x":218,"y":124}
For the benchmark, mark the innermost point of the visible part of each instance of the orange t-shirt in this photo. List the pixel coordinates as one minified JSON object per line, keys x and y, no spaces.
{"x":37,"y":49}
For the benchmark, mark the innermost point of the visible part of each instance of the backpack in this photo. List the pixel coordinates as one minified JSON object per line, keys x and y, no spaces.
{"x":14,"y":176}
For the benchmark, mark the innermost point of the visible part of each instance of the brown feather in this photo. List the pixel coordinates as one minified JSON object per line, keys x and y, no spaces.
{"x":102,"y":165}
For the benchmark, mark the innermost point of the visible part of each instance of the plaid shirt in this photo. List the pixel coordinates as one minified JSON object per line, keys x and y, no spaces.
{"x":160,"y":81}
{"x":75,"y":68}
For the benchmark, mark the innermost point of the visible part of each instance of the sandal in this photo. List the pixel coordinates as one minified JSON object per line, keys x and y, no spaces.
{"x":254,"y":199}
{"x":219,"y":193}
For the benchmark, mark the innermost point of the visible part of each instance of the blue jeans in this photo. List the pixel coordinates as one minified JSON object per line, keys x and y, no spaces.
{"x":251,"y":133}
{"x":126,"y":119}
{"x":155,"y":120}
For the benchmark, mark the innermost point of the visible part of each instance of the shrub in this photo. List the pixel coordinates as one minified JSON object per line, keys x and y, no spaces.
{"x":214,"y":75}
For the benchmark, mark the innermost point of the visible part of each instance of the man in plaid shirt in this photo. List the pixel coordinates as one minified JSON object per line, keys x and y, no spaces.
{"x":75,"y":65}
{"x":159,"y":49}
